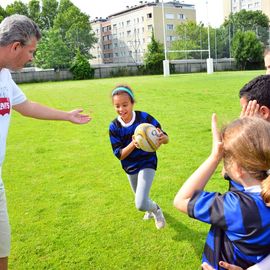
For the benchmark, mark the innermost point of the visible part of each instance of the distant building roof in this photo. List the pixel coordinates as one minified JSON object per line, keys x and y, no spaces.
{"x":176,"y":4}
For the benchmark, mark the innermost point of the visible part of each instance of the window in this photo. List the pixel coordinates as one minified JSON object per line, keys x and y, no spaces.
{"x":128,"y":32}
{"x":149,"y":15}
{"x":108,"y":55}
{"x":128,"y":23}
{"x":169,"y":26}
{"x":169,"y":16}
{"x":170,"y":38}
{"x":149,"y":27}
{"x":107,"y":37}
{"x":107,"y":47}
{"x":181,"y":16}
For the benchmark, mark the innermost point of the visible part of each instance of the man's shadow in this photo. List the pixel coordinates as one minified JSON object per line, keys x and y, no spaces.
{"x":184,"y":233}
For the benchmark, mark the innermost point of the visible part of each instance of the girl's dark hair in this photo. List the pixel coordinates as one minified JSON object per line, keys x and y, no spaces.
{"x":120,"y":89}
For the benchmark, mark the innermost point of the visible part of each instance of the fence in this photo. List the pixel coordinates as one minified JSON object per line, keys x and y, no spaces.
{"x":32,"y":75}
{"x":110,"y":70}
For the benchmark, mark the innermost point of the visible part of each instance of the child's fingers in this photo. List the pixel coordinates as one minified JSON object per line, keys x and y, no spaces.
{"x":215,"y":132}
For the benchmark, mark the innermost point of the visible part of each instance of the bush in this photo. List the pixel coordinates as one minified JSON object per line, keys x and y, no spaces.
{"x":154,"y":57}
{"x":81,"y":68}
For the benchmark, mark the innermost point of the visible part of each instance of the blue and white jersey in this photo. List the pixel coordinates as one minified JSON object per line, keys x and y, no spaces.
{"x":240,"y":231}
{"x":121,"y":136}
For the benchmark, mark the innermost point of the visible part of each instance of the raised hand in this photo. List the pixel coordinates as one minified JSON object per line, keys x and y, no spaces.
{"x":217,"y":146}
{"x":251,"y":109}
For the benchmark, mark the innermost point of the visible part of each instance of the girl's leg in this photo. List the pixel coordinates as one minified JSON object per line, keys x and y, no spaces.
{"x":144,"y":183}
{"x":143,"y":202}
{"x":133,"y":179}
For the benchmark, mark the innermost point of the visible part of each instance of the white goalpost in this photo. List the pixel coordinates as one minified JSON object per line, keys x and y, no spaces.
{"x":166,"y":62}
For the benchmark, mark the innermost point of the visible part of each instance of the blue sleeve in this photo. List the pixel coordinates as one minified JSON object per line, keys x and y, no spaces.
{"x":217,"y":209}
{"x":200,"y":204}
{"x":115,"y":141}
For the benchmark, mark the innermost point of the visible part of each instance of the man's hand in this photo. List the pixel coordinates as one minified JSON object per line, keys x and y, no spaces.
{"x":251,"y":109}
{"x":77,"y":117}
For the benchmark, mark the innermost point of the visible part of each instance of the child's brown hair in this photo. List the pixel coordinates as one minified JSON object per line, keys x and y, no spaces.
{"x":247,"y":142}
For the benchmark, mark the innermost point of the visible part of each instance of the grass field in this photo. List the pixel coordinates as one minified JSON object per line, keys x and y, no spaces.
{"x":70,"y":204}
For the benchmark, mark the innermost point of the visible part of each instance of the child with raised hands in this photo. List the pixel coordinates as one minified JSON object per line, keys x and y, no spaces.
{"x":240,"y":218}
{"x":140,"y":166}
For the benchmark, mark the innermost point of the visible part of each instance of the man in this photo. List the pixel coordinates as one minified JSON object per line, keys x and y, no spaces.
{"x":18,"y":40}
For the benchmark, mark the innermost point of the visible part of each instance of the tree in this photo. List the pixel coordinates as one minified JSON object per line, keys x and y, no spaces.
{"x":18,"y":7}
{"x":52,"y":51}
{"x":246,"y":48}
{"x":189,"y":36}
{"x":81,"y":68}
{"x":250,"y":20}
{"x":154,"y":57}
{"x":48,"y":13}
{"x":75,"y":28}
{"x":3,"y":14}
{"x":34,"y":10}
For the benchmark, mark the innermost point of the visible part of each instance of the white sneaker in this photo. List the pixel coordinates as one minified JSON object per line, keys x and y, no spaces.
{"x":148,"y":215}
{"x":159,"y":218}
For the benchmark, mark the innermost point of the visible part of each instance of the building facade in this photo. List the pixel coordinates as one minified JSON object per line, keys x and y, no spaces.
{"x":131,"y":30}
{"x":233,"y":6}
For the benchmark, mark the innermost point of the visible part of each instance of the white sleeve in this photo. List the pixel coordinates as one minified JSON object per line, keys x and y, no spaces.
{"x":17,"y":95}
{"x":263,"y":265}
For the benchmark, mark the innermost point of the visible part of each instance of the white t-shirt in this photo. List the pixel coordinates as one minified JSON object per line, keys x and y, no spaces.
{"x":10,"y":94}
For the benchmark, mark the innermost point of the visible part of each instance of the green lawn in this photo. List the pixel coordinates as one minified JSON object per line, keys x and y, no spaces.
{"x":69,"y":201}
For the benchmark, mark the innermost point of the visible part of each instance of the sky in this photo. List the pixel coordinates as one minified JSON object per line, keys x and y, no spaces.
{"x":104,"y":8}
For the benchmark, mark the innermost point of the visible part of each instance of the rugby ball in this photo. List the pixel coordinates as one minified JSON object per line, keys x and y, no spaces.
{"x":147,"y":135}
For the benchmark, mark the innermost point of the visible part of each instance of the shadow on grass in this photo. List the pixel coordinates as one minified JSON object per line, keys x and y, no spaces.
{"x":184,"y":233}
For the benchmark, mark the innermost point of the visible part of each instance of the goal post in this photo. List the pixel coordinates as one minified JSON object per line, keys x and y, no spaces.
{"x":166,"y":63}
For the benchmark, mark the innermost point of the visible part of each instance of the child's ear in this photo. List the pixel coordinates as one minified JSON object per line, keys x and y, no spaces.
{"x":265,"y":112}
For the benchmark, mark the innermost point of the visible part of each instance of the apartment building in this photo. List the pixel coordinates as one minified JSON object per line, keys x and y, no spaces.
{"x":97,"y":50}
{"x":131,"y":30}
{"x":233,"y":6}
